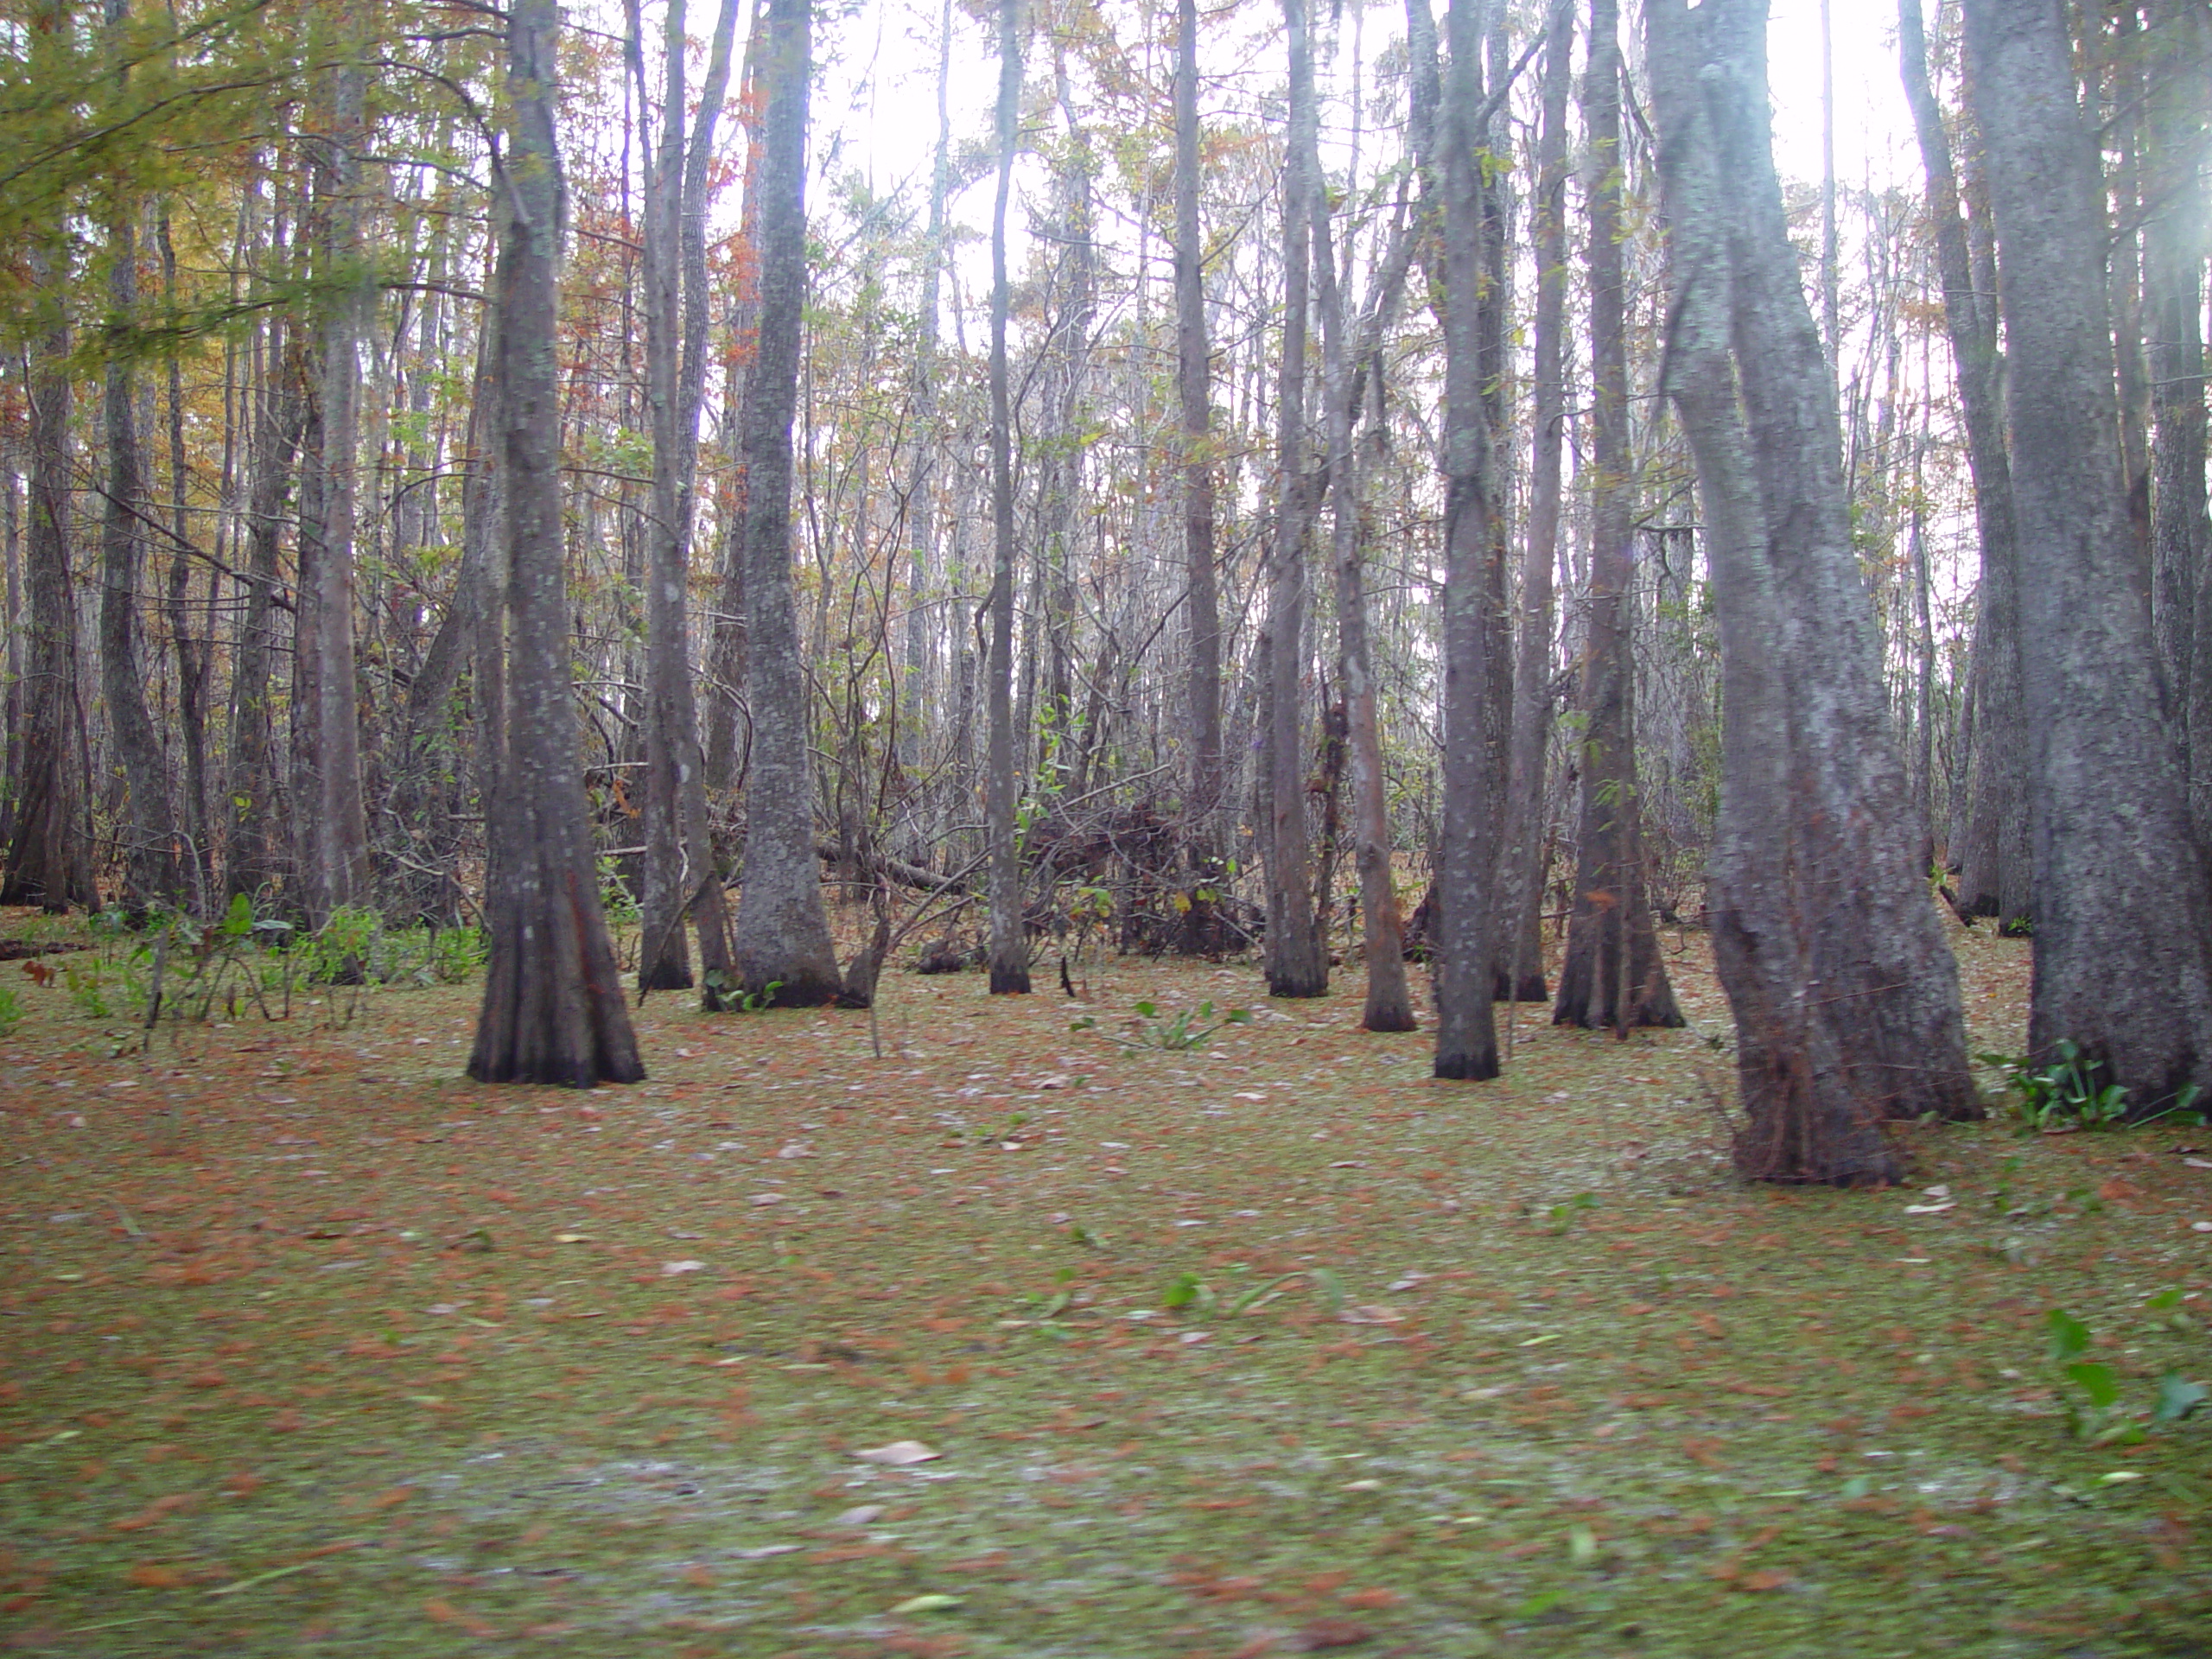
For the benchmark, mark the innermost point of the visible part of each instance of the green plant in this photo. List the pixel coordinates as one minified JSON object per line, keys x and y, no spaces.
{"x":2098,"y":1416}
{"x":1149,"y":1029}
{"x":1561,"y":1215}
{"x":2070,"y":1092}
{"x":456,"y":953}
{"x":735,"y":998}
{"x":12,"y":1009}
{"x":1187,"y":1290}
{"x":339,"y":951}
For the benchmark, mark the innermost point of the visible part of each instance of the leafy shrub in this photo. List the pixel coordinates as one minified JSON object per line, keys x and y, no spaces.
{"x":2070,"y":1093}
{"x":1186,"y":1030}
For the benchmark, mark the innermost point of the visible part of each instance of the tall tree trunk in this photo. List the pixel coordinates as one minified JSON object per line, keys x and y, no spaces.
{"x":917,"y":678}
{"x":1194,"y":384}
{"x":2174,"y":249}
{"x":1612,"y":977}
{"x":429,"y":782}
{"x":49,"y":854}
{"x":253,"y":847}
{"x":1389,"y":1001}
{"x":194,"y":654}
{"x":2123,"y":928}
{"x":553,"y":1007}
{"x":783,"y":933}
{"x":1297,"y":966}
{"x":726,"y":653}
{"x":681,"y":877}
{"x":1993,"y":860}
{"x":1466,"y":1038}
{"x":1521,"y":853}
{"x":145,"y":829}
{"x":1801,"y":1094}
{"x":331,"y":832}
{"x":1009,"y":945}
{"x":1879,"y":951}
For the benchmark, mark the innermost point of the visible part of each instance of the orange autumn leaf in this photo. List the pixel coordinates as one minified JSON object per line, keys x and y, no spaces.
{"x":151,"y":1575}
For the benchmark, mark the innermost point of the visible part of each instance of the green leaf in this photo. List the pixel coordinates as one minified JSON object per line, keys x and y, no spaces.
{"x":2176,"y":1398}
{"x":929,"y":1604}
{"x":2098,"y":1383}
{"x":2070,"y":1337}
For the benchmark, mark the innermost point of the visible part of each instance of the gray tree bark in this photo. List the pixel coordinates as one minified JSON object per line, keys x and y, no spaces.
{"x":1297,"y":966}
{"x":2123,"y":929}
{"x":146,"y":829}
{"x":48,"y":858}
{"x":553,"y":1005}
{"x":1520,"y":850}
{"x":1612,"y":977}
{"x":1009,"y":945}
{"x":1797,"y":1088}
{"x":680,"y":876}
{"x":2174,"y":252}
{"x":1878,"y":951}
{"x":1466,"y":1036}
{"x":1389,"y":1004}
{"x":783,"y":932}
{"x":1194,"y":384}
{"x":332,"y":830}
{"x":1993,"y":860}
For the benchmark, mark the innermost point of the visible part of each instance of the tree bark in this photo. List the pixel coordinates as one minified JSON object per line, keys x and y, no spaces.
{"x":1612,"y":977}
{"x":1389,"y":1001}
{"x":553,"y":1007}
{"x":1993,"y":860}
{"x":1009,"y":945}
{"x":194,"y":654}
{"x":49,"y":854}
{"x":783,"y":933}
{"x":145,"y":828}
{"x":1466,"y":1037}
{"x":1297,"y":966}
{"x":1809,"y":1120}
{"x":2174,"y":250}
{"x":333,"y":830}
{"x":1520,"y":854}
{"x":1879,"y":951}
{"x":681,"y":877}
{"x":252,"y":849}
{"x":1194,"y":384}
{"x":2123,"y":929}
{"x":725,"y":670}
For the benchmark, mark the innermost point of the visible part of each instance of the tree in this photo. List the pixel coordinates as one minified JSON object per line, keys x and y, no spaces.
{"x":680,"y":875}
{"x":1194,"y":386}
{"x":332,"y":836}
{"x":49,"y":854}
{"x":1612,"y":977}
{"x":1993,"y":862}
{"x":1009,"y":942}
{"x":784,"y":952}
{"x":1389,"y":999}
{"x":1521,"y":856}
{"x":553,"y":1005}
{"x":1297,"y":965}
{"x":2123,"y":919}
{"x":1466,"y":1038}
{"x":1845,"y":993}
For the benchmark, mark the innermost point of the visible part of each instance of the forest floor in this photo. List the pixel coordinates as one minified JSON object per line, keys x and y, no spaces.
{"x":310,"y":1346}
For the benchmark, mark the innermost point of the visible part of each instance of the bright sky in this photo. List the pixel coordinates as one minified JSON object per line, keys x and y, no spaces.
{"x":1873,"y":128}
{"x":877,"y":97}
